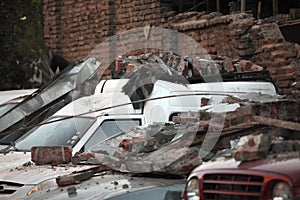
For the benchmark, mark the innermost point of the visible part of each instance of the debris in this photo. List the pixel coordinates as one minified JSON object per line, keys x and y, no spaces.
{"x":50,"y":155}
{"x":72,"y":191}
{"x":142,"y":145}
{"x":78,"y":177}
{"x":285,"y":146}
{"x":73,"y":178}
{"x":29,"y":163}
{"x":167,"y":148}
{"x":252,"y":147}
{"x":278,"y":123}
{"x":248,"y":66}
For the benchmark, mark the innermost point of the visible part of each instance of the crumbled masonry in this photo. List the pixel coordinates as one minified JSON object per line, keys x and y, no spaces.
{"x":174,"y":148}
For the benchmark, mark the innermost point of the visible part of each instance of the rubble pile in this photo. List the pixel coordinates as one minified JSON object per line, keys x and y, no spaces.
{"x":173,"y":64}
{"x":174,"y":148}
{"x":143,"y":70}
{"x":157,"y":148}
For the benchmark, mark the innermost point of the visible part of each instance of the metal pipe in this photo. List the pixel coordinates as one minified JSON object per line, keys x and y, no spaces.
{"x":275,"y":7}
{"x":243,"y":5}
{"x":259,"y":10}
{"x":218,"y":5}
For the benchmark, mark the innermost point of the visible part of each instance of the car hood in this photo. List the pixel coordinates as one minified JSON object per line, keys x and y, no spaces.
{"x":117,"y":186}
{"x":14,"y":159}
{"x":284,"y":164}
{"x":17,"y":167}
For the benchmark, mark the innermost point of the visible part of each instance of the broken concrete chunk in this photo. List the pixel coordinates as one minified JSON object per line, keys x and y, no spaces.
{"x":41,"y":155}
{"x":145,"y":145}
{"x":141,"y":145}
{"x":252,"y":147}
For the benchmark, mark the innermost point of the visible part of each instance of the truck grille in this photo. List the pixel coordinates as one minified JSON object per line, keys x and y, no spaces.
{"x":7,"y":188}
{"x":231,"y":187}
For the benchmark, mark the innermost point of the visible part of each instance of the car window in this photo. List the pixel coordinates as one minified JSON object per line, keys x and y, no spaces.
{"x":109,"y":128}
{"x":62,"y":132}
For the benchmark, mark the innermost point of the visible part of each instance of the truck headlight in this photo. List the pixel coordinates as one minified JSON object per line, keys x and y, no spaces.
{"x":192,"y":189}
{"x":282,"y":191}
{"x":45,"y":185}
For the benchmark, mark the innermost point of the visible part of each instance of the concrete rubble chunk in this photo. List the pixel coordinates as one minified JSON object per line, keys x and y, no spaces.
{"x":252,"y":147}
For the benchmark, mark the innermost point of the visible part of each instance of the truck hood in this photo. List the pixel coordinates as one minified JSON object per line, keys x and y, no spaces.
{"x":287,"y":165}
{"x":17,"y":168}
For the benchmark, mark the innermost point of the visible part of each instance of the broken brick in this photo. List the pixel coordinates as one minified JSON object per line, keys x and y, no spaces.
{"x":50,"y":155}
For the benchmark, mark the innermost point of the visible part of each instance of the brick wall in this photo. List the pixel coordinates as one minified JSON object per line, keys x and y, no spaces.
{"x":72,"y":28}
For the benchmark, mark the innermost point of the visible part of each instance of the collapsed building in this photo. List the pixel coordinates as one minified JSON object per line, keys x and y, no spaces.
{"x":166,"y":151}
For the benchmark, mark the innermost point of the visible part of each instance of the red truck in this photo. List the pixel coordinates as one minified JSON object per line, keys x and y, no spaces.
{"x":275,"y":177}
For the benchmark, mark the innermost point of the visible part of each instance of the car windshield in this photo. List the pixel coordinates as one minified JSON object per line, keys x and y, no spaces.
{"x":61,"y":132}
{"x":108,"y":129}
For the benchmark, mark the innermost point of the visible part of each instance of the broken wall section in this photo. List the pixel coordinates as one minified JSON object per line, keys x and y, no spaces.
{"x":240,"y":36}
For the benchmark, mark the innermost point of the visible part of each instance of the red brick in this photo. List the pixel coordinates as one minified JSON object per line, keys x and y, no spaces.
{"x":286,"y":69}
{"x":48,"y":155}
{"x":283,"y":84}
{"x":281,"y":77}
